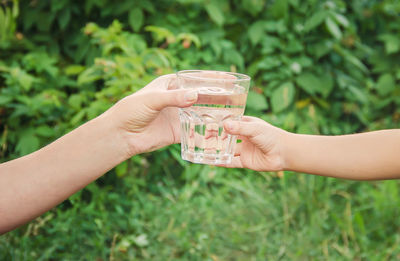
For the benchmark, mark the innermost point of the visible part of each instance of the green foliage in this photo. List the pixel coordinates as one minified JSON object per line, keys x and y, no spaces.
{"x":8,"y":16}
{"x":328,"y":67}
{"x":217,"y":217}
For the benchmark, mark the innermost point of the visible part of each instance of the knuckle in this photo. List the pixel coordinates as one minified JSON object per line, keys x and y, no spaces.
{"x":255,"y":128}
{"x":173,"y":97}
{"x":172,"y":84}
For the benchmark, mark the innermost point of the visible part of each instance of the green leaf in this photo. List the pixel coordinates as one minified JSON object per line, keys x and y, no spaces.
{"x":359,"y":94}
{"x":45,"y":131}
{"x":44,"y":21}
{"x":23,"y":78}
{"x":58,"y":5}
{"x":189,"y":37}
{"x":27,"y":143}
{"x":77,"y":118}
{"x":279,"y":9}
{"x":121,"y":169}
{"x":305,"y":128}
{"x":136,"y":19}
{"x":278,"y":26}
{"x":350,"y":58}
{"x":308,"y":82}
{"x":322,"y":103}
{"x":64,"y":18}
{"x":253,"y":6}
{"x":270,"y":44}
{"x":315,"y":20}
{"x":161,"y":33}
{"x":75,"y":101}
{"x":89,"y":75}
{"x":333,"y":28}
{"x":176,"y":154}
{"x":294,"y":3}
{"x":15,"y":9}
{"x":232,"y":56}
{"x":304,"y":61}
{"x":356,"y":62}
{"x":5,"y":100}
{"x":40,"y":62}
{"x":122,"y":7}
{"x":256,"y":101}
{"x":282,"y":97}
{"x":82,"y":50}
{"x":326,"y":84}
{"x":215,"y":13}
{"x":385,"y":84}
{"x":256,"y":31}
{"x":74,"y":69}
{"x":3,"y":28}
{"x":392,"y":43}
{"x":321,"y":48}
{"x":294,"y":46}
{"x":341,"y":19}
{"x":358,"y":219}
{"x":269,"y":62}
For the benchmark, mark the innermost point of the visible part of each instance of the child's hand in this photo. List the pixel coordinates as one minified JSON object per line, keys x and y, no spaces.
{"x":365,"y":156}
{"x":262,"y":145}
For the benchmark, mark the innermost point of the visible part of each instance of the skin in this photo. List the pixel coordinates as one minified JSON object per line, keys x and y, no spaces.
{"x":141,"y":122}
{"x":365,"y":156}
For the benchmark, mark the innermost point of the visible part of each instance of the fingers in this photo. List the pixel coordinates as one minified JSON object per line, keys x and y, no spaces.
{"x":252,"y":119}
{"x":165,"y":82}
{"x":169,"y":81}
{"x":248,"y":127}
{"x":172,"y":84}
{"x":238,"y":149}
{"x":236,"y":163}
{"x":172,"y":98}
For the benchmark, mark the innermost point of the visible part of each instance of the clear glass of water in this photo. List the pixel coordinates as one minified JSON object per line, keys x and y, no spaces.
{"x":221,"y":96}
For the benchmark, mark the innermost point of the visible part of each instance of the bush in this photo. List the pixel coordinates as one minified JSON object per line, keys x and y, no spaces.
{"x":317,"y":66}
{"x":325,"y":67}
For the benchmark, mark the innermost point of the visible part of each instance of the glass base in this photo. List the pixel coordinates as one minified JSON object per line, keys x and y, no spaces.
{"x":204,"y":158}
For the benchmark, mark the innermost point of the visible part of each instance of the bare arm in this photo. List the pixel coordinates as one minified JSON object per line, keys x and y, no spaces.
{"x":33,"y":184}
{"x":366,"y":156}
{"x":142,"y":122}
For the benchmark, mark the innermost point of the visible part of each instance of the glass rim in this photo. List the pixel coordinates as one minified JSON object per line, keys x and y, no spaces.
{"x":240,"y":76}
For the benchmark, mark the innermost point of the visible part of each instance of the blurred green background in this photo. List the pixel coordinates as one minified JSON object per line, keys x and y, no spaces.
{"x":317,"y":67}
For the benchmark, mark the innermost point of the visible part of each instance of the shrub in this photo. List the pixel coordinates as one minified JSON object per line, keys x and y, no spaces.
{"x":328,"y":67}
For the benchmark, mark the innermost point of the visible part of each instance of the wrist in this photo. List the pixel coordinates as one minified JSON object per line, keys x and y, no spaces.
{"x":287,"y":141}
{"x":115,"y":134}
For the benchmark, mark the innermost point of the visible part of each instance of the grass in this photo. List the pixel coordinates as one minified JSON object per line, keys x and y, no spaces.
{"x":207,"y":213}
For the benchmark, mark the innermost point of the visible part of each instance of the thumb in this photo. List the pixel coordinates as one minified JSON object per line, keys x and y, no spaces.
{"x":243,"y":128}
{"x":170,"y":98}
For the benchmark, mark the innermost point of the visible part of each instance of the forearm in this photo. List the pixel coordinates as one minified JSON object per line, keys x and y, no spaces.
{"x":366,"y":156}
{"x":33,"y":184}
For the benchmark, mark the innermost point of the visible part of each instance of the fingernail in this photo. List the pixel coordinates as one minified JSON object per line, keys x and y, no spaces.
{"x":191,"y":96}
{"x":230,"y":125}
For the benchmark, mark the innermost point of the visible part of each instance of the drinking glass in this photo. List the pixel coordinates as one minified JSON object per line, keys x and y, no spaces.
{"x":221,"y":96}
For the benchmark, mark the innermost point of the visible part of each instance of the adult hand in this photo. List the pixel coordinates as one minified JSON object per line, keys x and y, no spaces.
{"x":148,"y":119}
{"x":141,"y":122}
